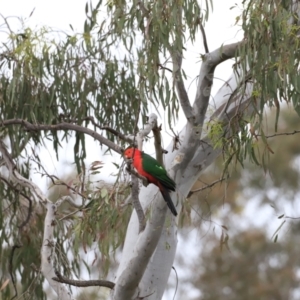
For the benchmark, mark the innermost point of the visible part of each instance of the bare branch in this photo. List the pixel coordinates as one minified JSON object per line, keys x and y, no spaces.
{"x":136,"y":203}
{"x":176,"y":54}
{"x":205,"y":80}
{"x":204,"y":37}
{"x":152,"y":122}
{"x":117,"y":133}
{"x":63,"y":126}
{"x":10,"y":267}
{"x":278,"y":134}
{"x":192,"y":141}
{"x":59,"y":182}
{"x":179,"y":84}
{"x":157,"y":143}
{"x":164,"y":68}
{"x":205,"y":187}
{"x":83,"y":283}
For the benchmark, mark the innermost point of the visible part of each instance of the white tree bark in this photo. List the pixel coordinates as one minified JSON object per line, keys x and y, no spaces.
{"x":48,"y":250}
{"x":185,"y":165}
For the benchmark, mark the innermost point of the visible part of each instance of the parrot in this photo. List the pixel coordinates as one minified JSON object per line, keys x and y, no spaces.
{"x":155,"y":173}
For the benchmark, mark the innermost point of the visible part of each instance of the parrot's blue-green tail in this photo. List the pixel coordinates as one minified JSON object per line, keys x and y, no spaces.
{"x":165,"y":193}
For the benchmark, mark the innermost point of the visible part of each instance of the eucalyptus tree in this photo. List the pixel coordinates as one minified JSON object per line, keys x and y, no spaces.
{"x":101,"y":83}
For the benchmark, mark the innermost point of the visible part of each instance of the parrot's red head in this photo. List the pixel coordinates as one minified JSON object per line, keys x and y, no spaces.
{"x":129,"y":152}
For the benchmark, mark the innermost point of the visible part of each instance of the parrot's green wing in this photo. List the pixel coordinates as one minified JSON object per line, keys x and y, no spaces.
{"x":154,"y":168}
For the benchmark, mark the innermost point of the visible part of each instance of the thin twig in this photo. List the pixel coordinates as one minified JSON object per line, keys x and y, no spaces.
{"x":83,"y":283}
{"x":292,"y":218}
{"x":60,"y":182}
{"x":205,"y":187}
{"x":164,"y":68}
{"x":204,"y":37}
{"x":10,"y":268}
{"x":278,"y":134}
{"x":176,"y":287}
{"x":117,"y":133}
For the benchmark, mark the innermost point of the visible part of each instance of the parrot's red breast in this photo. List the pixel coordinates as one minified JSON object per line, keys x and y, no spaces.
{"x":155,"y":173}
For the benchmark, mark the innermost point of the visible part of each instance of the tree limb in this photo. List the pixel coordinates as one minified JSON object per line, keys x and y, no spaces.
{"x":120,"y":135}
{"x":204,"y":37}
{"x":179,"y":84}
{"x":136,"y":264}
{"x":205,"y":80}
{"x":176,"y":54}
{"x":157,"y":143}
{"x":136,"y":202}
{"x":83,"y":283}
{"x":63,"y":126}
{"x":192,"y":139}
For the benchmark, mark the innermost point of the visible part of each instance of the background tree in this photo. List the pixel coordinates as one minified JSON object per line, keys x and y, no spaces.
{"x":250,"y":235}
{"x":81,"y":85}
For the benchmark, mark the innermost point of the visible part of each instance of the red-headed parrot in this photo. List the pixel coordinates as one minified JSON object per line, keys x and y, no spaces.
{"x":155,"y":173}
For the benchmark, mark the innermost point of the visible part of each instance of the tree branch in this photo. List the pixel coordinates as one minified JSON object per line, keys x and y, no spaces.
{"x":61,"y":182}
{"x":205,"y":187}
{"x":179,"y":84}
{"x":117,"y":133}
{"x":157,"y":143}
{"x":83,"y":283}
{"x":176,"y":54}
{"x":278,"y":134}
{"x":136,"y":202}
{"x":191,"y":142}
{"x":151,"y":123}
{"x":205,"y":80}
{"x":63,"y":126}
{"x":126,"y":284}
{"x":10,"y":268}
{"x":204,"y":37}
